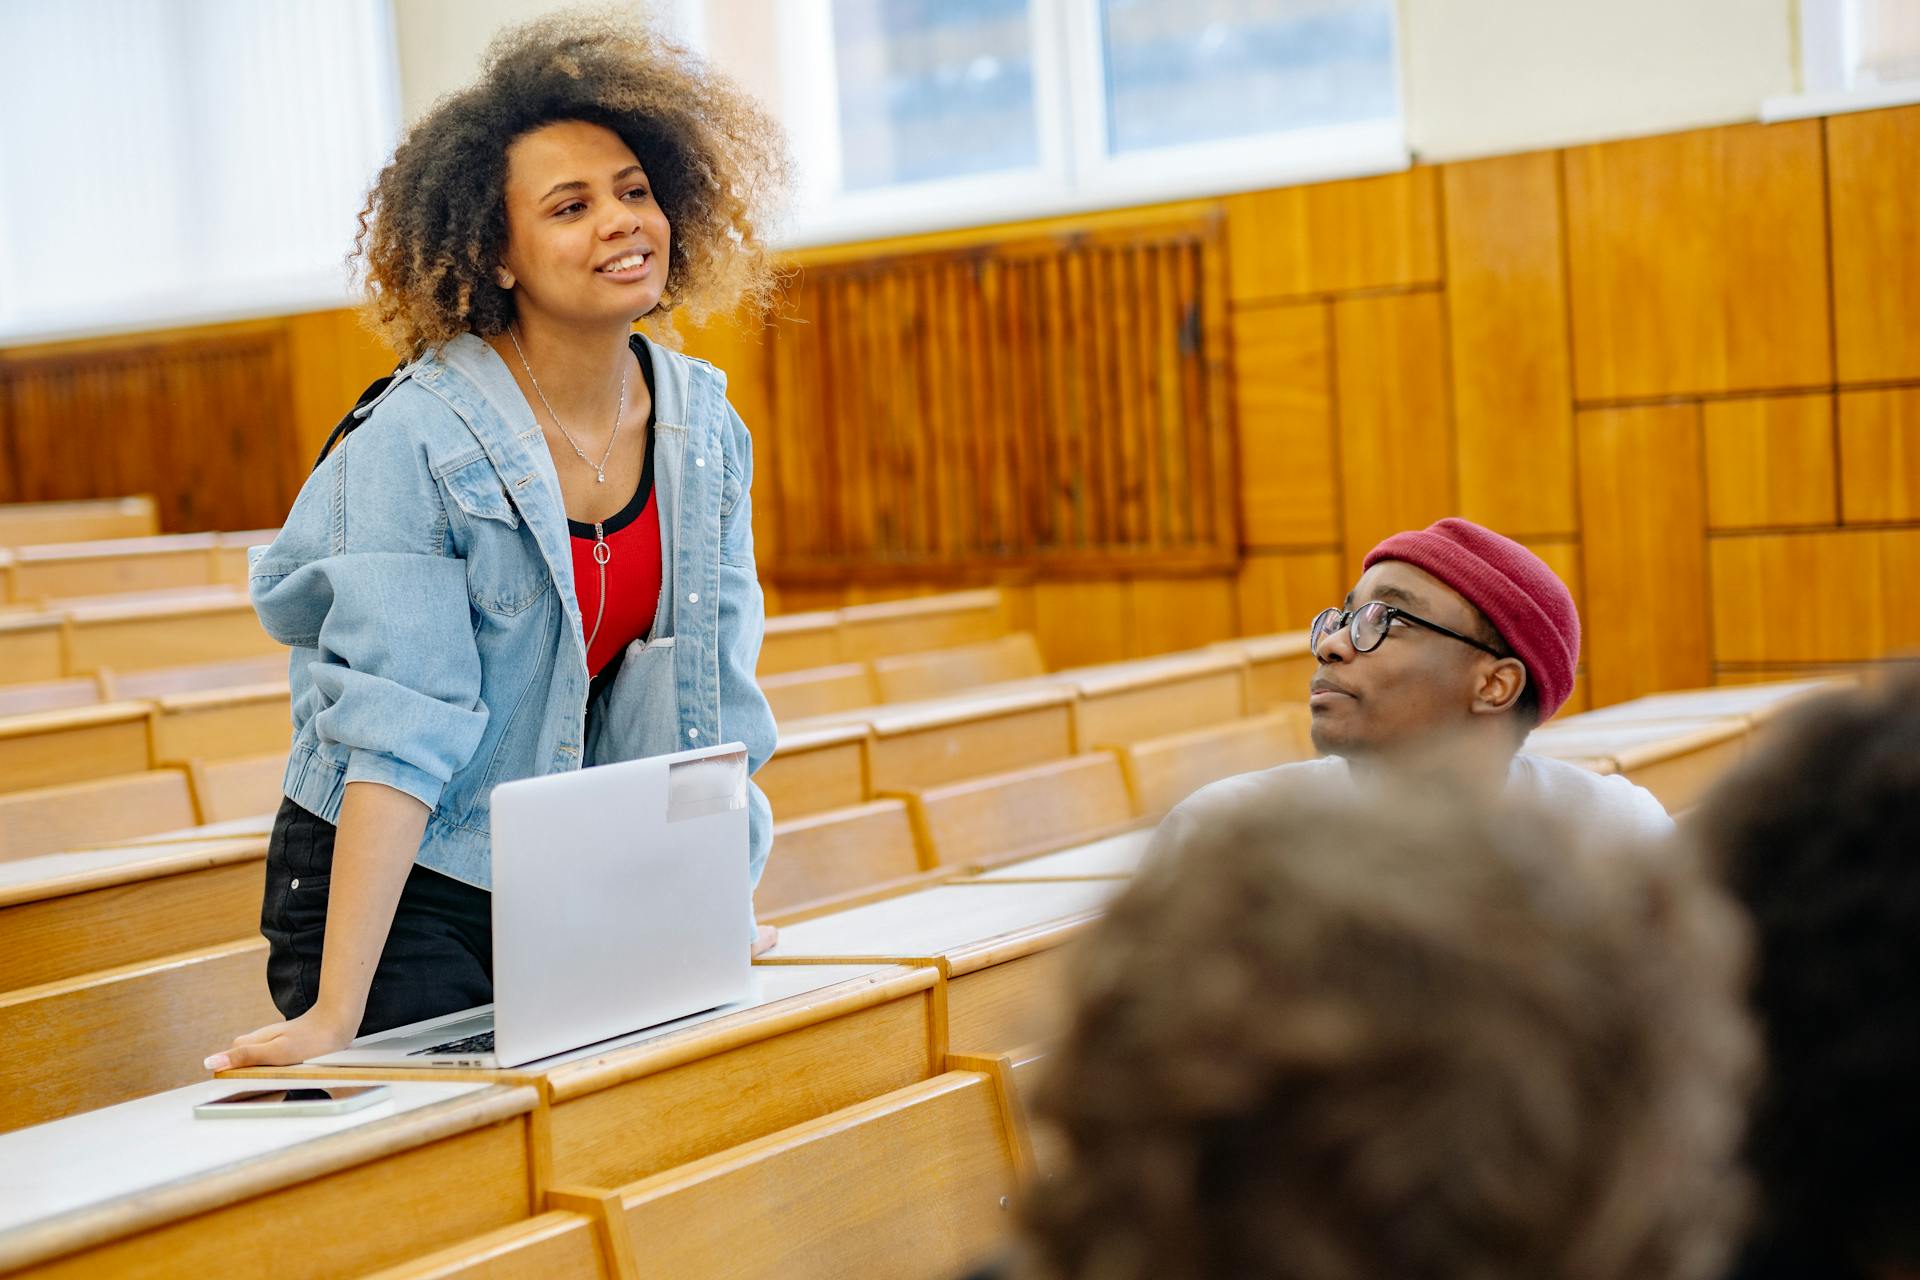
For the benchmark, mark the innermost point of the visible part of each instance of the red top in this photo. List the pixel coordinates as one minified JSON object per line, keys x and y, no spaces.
{"x":618,"y":561}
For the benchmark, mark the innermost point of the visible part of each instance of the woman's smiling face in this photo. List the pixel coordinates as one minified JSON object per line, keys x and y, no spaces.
{"x":586,"y":241}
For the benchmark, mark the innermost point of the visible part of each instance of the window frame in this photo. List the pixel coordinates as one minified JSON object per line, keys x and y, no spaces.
{"x":1076,"y":174}
{"x":1828,"y":55}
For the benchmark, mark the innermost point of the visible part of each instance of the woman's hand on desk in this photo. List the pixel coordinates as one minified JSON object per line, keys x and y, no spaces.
{"x":281,"y":1044}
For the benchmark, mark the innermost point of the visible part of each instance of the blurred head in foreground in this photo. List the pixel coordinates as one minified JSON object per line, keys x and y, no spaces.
{"x":1321,"y":1043}
{"x":1819,"y":835}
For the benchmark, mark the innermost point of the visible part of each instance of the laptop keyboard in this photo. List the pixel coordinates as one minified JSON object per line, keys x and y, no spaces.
{"x":482,"y":1043}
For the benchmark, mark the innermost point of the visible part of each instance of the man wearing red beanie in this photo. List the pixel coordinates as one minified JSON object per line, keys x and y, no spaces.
{"x":1453,"y":645}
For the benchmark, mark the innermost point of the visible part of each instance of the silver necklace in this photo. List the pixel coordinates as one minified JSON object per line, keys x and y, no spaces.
{"x":599,"y":468}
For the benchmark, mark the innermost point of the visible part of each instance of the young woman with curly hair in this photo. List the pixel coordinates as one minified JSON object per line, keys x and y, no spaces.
{"x":535,"y":551}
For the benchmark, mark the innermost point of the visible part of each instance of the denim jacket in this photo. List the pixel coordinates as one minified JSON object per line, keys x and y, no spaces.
{"x":424,"y":581}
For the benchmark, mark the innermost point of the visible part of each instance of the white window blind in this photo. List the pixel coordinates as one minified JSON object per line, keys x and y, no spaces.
{"x":168,"y":161}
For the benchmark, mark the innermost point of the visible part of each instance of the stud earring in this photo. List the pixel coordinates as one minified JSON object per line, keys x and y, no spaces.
{"x":504,"y":278}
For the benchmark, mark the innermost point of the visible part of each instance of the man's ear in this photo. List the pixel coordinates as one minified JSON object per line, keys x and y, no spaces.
{"x":1502,"y":681}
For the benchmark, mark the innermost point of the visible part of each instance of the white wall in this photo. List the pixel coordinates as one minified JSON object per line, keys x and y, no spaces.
{"x":1491,"y":76}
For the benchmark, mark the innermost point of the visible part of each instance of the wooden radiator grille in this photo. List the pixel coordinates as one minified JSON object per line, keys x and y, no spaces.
{"x":1058,"y":402}
{"x":202,"y":423}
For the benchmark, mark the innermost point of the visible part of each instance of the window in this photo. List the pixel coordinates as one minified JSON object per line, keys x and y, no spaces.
{"x":917,"y":114}
{"x":175,"y":162}
{"x":1855,"y":55}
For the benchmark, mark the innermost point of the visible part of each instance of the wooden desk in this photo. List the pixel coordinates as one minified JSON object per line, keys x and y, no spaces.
{"x":799,"y":642}
{"x":26,"y":524}
{"x":811,"y":1039}
{"x":63,"y":915}
{"x":1161,"y":772}
{"x":51,"y":747}
{"x":1754,"y":703}
{"x":1126,"y":702}
{"x":1677,"y":760}
{"x":216,"y":724}
{"x":815,"y":768}
{"x":914,"y":1185}
{"x":998,"y":943}
{"x":931,"y":743}
{"x":172,"y":633}
{"x":84,"y":815}
{"x":111,"y":566}
{"x":1279,"y":667}
{"x":919,"y":623}
{"x":818,"y":691}
{"x":30,"y":650}
{"x":145,"y":1189}
{"x":1002,"y":816}
{"x":1115,"y":856}
{"x":913,"y":677}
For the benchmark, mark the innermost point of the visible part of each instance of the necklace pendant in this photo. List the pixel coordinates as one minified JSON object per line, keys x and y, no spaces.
{"x":601,"y":476}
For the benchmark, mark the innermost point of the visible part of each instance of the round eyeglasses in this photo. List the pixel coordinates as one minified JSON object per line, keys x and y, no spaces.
{"x":1368,"y":625}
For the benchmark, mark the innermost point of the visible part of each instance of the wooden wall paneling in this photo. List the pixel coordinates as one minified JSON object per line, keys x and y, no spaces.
{"x":1283,"y":592}
{"x":1079,"y":622}
{"x":1396,"y":445}
{"x":1770,"y":461}
{"x":1507,"y":325}
{"x":1283,"y":383}
{"x":1335,"y":237}
{"x":1168,"y":614}
{"x":1880,"y":455}
{"x":1873,"y":169}
{"x":1838,"y":596}
{"x":1563,"y":557}
{"x":1698,"y":262}
{"x":332,"y":358}
{"x":1643,"y":554}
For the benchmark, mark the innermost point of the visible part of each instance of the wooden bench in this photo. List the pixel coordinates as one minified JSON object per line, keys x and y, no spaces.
{"x":222,"y":723}
{"x":1161,"y":772}
{"x":113,"y":1034}
{"x":799,"y":642}
{"x":811,"y":1039}
{"x":48,"y":695}
{"x":230,"y":553}
{"x":815,"y":768}
{"x":30,"y":647}
{"x":1003,"y":816}
{"x":840,"y":851}
{"x":243,"y":787}
{"x":439,"y":1162}
{"x":913,"y":677}
{"x":931,"y":743}
{"x":914,"y":1185}
{"x":109,"y":567}
{"x":553,"y":1246}
{"x":1126,"y":702}
{"x":799,"y":695}
{"x":1676,"y":760}
{"x":51,"y":747}
{"x":1279,"y":668}
{"x":66,"y":915}
{"x":999,"y":944}
{"x":197,"y":677}
{"x":914,"y":625}
{"x":140,"y":636}
{"x":82,"y":815}
{"x":25,"y":524}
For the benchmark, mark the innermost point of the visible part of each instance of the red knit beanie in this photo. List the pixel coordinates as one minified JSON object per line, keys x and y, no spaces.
{"x":1524,"y":600}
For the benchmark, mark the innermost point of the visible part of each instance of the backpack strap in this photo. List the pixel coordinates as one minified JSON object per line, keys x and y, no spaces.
{"x":376,"y":392}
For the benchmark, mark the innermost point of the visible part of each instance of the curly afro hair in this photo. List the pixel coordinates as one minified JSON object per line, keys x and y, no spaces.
{"x":1319,"y":1042}
{"x":1819,"y":834}
{"x":434,"y":226}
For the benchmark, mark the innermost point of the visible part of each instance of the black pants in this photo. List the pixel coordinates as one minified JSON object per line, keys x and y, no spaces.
{"x":439,"y":953}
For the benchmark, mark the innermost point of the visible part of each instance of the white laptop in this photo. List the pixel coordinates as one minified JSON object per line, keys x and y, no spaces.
{"x":620,"y":900}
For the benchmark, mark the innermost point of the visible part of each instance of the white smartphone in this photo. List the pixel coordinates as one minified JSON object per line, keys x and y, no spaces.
{"x":327,"y":1100}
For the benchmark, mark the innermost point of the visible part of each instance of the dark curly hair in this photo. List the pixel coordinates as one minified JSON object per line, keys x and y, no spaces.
{"x":435,"y":224}
{"x":1417,"y":1041}
{"x":1819,"y":834}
